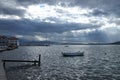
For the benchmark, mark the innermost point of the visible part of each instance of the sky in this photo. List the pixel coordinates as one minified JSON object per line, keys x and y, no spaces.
{"x":61,"y":20}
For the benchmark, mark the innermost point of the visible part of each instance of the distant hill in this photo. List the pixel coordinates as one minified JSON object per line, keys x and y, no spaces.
{"x":117,"y":43}
{"x":36,"y":43}
{"x":43,"y":43}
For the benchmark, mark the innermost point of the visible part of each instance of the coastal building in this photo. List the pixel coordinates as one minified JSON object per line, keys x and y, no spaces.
{"x":13,"y":42}
{"x":3,"y":42}
{"x":8,"y":42}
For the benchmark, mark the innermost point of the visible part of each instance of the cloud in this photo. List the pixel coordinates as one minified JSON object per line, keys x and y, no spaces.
{"x":11,"y":11}
{"x":27,"y":2}
{"x":11,"y":8}
{"x":99,"y":12}
{"x":71,"y":20}
{"x":20,"y":26}
{"x":57,"y":13}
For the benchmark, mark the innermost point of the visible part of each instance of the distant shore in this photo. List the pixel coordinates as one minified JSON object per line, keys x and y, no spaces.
{"x":67,"y":44}
{"x":42,"y":43}
{"x":1,"y":50}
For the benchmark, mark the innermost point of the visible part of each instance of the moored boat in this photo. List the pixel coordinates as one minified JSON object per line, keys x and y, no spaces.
{"x":73,"y":53}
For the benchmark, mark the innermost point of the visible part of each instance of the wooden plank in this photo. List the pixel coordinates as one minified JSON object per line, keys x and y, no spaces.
{"x":19,"y":61}
{"x":35,"y":61}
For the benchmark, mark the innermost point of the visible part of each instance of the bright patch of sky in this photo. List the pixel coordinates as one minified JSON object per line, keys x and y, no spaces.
{"x":40,"y":38}
{"x":62,"y":14}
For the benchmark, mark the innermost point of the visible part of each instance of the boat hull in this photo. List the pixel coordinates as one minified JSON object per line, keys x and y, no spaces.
{"x":73,"y":54}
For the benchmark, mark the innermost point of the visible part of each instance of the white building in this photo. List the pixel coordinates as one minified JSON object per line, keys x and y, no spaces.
{"x":13,"y":42}
{"x":8,"y":43}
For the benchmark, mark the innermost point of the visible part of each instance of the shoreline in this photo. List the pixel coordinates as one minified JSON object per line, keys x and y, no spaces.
{"x":8,"y":49}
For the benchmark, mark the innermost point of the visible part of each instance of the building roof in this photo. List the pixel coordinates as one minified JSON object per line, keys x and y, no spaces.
{"x":3,"y":37}
{"x":13,"y":38}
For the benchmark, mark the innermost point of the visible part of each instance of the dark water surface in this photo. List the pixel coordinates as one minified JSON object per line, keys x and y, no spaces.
{"x":94,"y":65}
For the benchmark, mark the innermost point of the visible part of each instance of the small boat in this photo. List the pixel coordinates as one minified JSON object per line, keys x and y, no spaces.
{"x":73,"y":53}
{"x":66,"y":46}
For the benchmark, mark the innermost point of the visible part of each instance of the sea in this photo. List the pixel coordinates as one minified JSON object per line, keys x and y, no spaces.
{"x":100,"y":62}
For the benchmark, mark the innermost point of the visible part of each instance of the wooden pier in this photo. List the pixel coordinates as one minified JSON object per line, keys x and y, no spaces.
{"x":35,"y":62}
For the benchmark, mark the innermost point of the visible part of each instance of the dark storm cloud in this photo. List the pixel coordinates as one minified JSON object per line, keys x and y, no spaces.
{"x":115,"y":10}
{"x":21,"y":26}
{"x":97,"y":3}
{"x":97,"y":12}
{"x":60,"y":28}
{"x":109,"y":6}
{"x":93,"y":36}
{"x":97,"y":36}
{"x":28,"y":2}
{"x":16,"y":26}
{"x":11,"y":11}
{"x":7,"y":9}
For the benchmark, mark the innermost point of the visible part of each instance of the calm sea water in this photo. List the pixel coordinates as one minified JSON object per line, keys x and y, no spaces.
{"x":94,"y":65}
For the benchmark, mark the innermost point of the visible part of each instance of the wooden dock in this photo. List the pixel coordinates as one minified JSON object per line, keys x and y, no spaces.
{"x":3,"y":62}
{"x":2,"y":72}
{"x":35,"y":62}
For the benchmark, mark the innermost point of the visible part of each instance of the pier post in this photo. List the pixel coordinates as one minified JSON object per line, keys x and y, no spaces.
{"x":4,"y":64}
{"x":35,"y":62}
{"x":39,"y":61}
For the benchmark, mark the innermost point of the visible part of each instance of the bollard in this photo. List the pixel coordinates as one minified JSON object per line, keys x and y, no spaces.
{"x":39,"y":61}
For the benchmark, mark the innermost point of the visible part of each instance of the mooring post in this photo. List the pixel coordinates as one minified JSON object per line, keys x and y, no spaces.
{"x":4,"y":64}
{"x":39,"y":60}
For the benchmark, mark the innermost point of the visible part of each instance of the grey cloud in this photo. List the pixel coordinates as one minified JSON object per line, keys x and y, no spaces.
{"x":98,"y":12}
{"x":16,"y":26}
{"x":21,"y":26}
{"x":28,"y":27}
{"x":7,"y":9}
{"x":93,"y":36}
{"x":60,"y":28}
{"x":28,"y":2}
{"x":11,"y":11}
{"x":109,"y":6}
{"x":97,"y":36}
{"x":115,"y":10}
{"x":97,"y":3}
